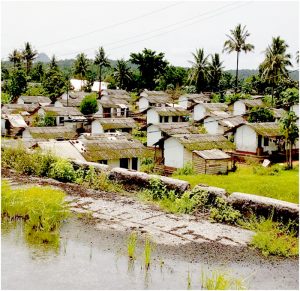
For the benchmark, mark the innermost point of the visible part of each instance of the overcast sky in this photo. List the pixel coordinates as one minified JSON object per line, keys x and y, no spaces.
{"x":177,"y":28}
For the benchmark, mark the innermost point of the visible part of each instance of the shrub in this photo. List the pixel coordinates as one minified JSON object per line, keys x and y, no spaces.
{"x":62,"y":170}
{"x":147,"y":165}
{"x":187,"y":169}
{"x":89,"y":104}
{"x":270,"y":171}
{"x":258,"y":114}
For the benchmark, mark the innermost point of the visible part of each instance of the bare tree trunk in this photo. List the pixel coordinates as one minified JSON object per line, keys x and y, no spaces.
{"x":99,"y":82}
{"x":237,"y":72}
{"x":286,"y":153}
{"x":291,"y":161}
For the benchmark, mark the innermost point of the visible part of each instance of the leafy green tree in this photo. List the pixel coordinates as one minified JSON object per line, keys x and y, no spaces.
{"x":289,"y":128}
{"x":260,"y":114}
{"x":89,"y":104}
{"x":29,"y":54}
{"x":175,"y":76}
{"x":17,"y":83}
{"x":226,"y":81}
{"x":37,"y":72}
{"x":122,"y":74}
{"x":90,"y":79}
{"x":198,"y":72}
{"x":35,"y":90}
{"x":274,"y":67}
{"x":151,"y":65}
{"x":53,"y":65}
{"x":5,"y":98}
{"x":236,"y":42}
{"x":4,"y":72}
{"x":53,"y":83}
{"x":215,"y":72}
{"x":289,"y":97}
{"x":81,"y":66}
{"x":175,"y":93}
{"x":101,"y":61}
{"x":15,"y":57}
{"x":48,"y":120}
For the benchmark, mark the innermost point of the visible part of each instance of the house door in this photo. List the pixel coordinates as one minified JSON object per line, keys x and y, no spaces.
{"x":134,"y":164}
{"x":259,"y":139}
{"x":124,"y":163}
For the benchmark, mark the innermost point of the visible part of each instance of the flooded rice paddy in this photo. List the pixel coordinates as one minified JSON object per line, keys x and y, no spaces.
{"x":88,"y":258}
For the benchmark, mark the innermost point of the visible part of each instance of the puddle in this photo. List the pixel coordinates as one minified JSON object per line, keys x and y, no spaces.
{"x":92,"y":259}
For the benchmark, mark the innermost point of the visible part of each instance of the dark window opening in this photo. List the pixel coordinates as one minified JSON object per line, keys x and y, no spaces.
{"x":266,"y":141}
{"x":124,"y":163}
{"x":134,"y":164}
{"x":160,"y":119}
{"x":61,"y":119}
{"x":175,"y":118}
{"x":259,"y":140}
{"x":106,"y":112}
{"x":103,"y":162}
{"x":166,"y":119}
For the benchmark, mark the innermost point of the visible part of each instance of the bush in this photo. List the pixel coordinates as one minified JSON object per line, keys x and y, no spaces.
{"x":270,"y":171}
{"x":258,"y":114}
{"x":62,"y":170}
{"x":147,"y":165}
{"x":223,"y":212}
{"x":89,"y":104}
{"x":187,"y":169}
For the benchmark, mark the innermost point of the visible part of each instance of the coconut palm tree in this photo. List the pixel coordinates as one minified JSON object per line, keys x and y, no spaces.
{"x":102,"y":61}
{"x":15,"y":57}
{"x":236,"y":42}
{"x":198,"y":72}
{"x":81,"y":66}
{"x":122,"y":73}
{"x":29,"y":54}
{"x":274,"y":67}
{"x":215,"y":71}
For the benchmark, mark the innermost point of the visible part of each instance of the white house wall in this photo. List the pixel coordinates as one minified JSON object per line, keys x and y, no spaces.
{"x":26,"y":135}
{"x":58,"y":104}
{"x":212,"y":126}
{"x":152,"y":116}
{"x":199,"y":112}
{"x":96,"y":128}
{"x":173,"y":153}
{"x":143,"y":103}
{"x":3,"y":129}
{"x":20,"y":101}
{"x":183,"y":102}
{"x":239,"y":108}
{"x":245,"y":139}
{"x":153,"y":135}
{"x":187,"y":156}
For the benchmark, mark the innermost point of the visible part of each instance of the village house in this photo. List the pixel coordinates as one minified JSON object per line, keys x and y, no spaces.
{"x":12,"y":124}
{"x":27,"y":111}
{"x":149,"y":99}
{"x":201,"y":110}
{"x":49,"y":132}
{"x":156,"y":132}
{"x":278,"y":113}
{"x":258,"y":138}
{"x":221,"y":125}
{"x":78,"y":85}
{"x":210,"y":162}
{"x":71,"y":99}
{"x":112,"y":149}
{"x":167,"y":114}
{"x":116,"y":93}
{"x":101,"y":125}
{"x":178,"y":149}
{"x":189,"y":100}
{"x":242,"y":106}
{"x":112,"y":107}
{"x":63,"y":115}
{"x":41,"y":100}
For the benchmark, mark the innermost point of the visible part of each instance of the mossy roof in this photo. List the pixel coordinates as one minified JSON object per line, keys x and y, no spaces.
{"x":200,"y":142}
{"x":171,"y":111}
{"x":62,"y":111}
{"x":18,"y":108}
{"x":110,"y":148}
{"x":35,"y":99}
{"x":115,"y":123}
{"x":197,"y":98}
{"x":253,"y":102}
{"x":175,"y":128}
{"x":215,"y":106}
{"x":111,"y":102}
{"x":271,"y":129}
{"x":52,"y":132}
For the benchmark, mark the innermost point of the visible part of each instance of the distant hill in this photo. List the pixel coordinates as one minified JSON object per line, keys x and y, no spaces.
{"x":43,"y":58}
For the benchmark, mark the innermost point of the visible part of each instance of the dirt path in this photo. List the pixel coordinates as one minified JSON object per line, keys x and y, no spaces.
{"x":121,"y":213}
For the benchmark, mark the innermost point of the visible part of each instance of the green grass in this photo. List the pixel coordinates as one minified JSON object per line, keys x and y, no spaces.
{"x":131,"y":245}
{"x":147,"y":253}
{"x":220,"y":281}
{"x":272,"y":238}
{"x":283,"y":186}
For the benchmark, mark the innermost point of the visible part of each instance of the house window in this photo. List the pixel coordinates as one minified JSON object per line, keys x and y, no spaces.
{"x":166,"y":119}
{"x":160,"y":119}
{"x":175,"y":118}
{"x":106,"y":112}
{"x":134,"y":164}
{"x":103,"y":162}
{"x":61,"y":119}
{"x":266,"y":141}
{"x":123,"y":112}
{"x":124,"y":163}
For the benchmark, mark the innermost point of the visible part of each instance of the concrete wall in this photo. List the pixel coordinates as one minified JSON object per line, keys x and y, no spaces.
{"x":183,"y":102}
{"x":173,"y":153}
{"x":245,"y":139}
{"x":152,"y":116}
{"x":199,"y":112}
{"x":239,"y":108}
{"x":58,"y":104}
{"x":3,"y":129}
{"x":143,"y":103}
{"x":20,"y":101}
{"x":212,"y":126}
{"x":96,"y":127}
{"x":153,"y":135}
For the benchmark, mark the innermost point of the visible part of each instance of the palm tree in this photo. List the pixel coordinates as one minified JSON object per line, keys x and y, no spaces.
{"x":122,"y":73}
{"x":274,"y":67}
{"x":81,"y":66}
{"x":15,"y":57}
{"x":198,"y":73}
{"x":29,"y":55}
{"x":215,"y":71}
{"x":237,"y":42}
{"x":102,"y":61}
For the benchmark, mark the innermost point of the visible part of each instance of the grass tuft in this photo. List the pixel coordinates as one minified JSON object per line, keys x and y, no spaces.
{"x":131,"y":245}
{"x":147,"y":253}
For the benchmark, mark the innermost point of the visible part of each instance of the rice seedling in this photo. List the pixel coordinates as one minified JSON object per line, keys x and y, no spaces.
{"x":220,"y":281}
{"x":189,"y":280}
{"x":131,"y":245}
{"x":147,"y":253}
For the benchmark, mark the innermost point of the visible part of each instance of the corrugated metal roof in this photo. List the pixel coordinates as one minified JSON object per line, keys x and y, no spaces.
{"x":115,"y":123}
{"x":62,"y":111}
{"x":232,"y":122}
{"x":271,"y":129}
{"x":252,"y":102}
{"x":18,"y":108}
{"x":171,"y":111}
{"x":175,"y":128}
{"x":16,"y":120}
{"x":35,"y":99}
{"x":213,"y":154}
{"x":215,"y":106}
{"x":52,"y":132}
{"x":278,"y":113}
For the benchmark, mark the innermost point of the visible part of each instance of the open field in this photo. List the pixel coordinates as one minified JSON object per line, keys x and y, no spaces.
{"x":283,"y":186}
